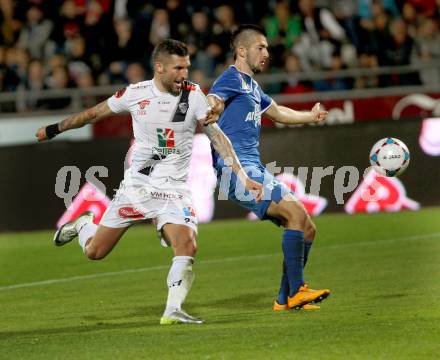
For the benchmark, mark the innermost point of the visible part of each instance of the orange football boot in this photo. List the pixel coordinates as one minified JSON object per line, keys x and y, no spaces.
{"x":281,"y":307}
{"x":305,"y":295}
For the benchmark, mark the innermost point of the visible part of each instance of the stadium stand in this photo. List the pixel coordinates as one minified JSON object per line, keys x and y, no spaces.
{"x":48,"y":51}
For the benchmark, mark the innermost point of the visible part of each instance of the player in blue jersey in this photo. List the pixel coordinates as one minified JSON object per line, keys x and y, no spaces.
{"x":244,"y":104}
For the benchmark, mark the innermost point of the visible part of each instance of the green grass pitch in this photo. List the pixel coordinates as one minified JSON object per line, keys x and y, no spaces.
{"x":383,"y":270}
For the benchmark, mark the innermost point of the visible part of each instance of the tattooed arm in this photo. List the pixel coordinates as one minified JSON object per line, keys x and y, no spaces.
{"x":88,"y":116}
{"x":223,"y":146}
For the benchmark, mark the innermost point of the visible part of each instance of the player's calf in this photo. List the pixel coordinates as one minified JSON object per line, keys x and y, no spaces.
{"x":98,"y":242}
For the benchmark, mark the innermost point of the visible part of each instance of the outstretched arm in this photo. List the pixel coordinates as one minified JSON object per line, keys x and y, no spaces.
{"x":284,"y":115}
{"x":88,"y":116}
{"x":223,"y":146}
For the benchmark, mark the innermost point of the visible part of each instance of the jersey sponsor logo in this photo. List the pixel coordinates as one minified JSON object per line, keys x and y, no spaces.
{"x":183,"y":107}
{"x":165,"y":196}
{"x":142,"y":104}
{"x":166,"y":143}
{"x":255,"y":115}
{"x":165,"y":137}
{"x":130,"y":213}
{"x":165,"y":151}
{"x":190,"y":215}
{"x":189,"y":211}
{"x":120,"y":92}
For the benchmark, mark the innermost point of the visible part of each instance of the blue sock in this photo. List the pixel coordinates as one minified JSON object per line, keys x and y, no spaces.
{"x":307,"y":246}
{"x":293,"y":250}
{"x":284,"y":287}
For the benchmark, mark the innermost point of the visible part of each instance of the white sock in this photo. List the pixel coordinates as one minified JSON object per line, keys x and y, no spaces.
{"x":85,"y":233}
{"x":179,"y":282}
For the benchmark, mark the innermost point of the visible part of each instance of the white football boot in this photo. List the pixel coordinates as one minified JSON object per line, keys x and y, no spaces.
{"x":179,"y":317}
{"x":69,"y":230}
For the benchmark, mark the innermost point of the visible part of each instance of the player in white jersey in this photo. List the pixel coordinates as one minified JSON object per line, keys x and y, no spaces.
{"x":166,"y":112}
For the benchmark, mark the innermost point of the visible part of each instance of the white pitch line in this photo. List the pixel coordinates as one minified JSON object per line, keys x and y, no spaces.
{"x":203,"y":262}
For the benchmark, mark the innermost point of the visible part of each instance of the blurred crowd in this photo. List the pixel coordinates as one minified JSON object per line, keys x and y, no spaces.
{"x":56,"y":44}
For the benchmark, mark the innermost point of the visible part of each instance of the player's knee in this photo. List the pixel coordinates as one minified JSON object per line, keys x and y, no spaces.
{"x":310,"y":231}
{"x":95,"y":253}
{"x":194,"y":248}
{"x":186,"y":245}
{"x":191,"y":247}
{"x":295,"y":216}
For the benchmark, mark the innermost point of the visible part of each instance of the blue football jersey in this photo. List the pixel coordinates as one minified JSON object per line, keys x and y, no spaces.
{"x":245,"y":102}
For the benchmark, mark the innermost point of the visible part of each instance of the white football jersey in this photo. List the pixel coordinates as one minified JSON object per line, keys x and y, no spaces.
{"x":161,"y":145}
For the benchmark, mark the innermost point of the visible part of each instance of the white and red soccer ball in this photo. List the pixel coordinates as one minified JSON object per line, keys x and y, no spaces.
{"x":389,"y":157}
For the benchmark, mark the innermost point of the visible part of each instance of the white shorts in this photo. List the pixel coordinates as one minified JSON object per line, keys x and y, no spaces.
{"x":165,"y":201}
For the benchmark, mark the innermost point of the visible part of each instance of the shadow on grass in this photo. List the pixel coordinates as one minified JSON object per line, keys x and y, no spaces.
{"x":389,"y":296}
{"x":248,"y":301}
{"x":244,"y":306}
{"x":77,"y":329}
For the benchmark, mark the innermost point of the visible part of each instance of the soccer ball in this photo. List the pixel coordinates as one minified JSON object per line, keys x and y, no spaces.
{"x":389,"y":157}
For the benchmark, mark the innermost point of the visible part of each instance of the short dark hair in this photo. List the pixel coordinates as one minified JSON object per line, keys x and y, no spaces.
{"x":169,"y":47}
{"x":239,"y":33}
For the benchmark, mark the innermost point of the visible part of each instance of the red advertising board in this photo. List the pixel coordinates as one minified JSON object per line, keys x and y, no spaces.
{"x":341,"y":111}
{"x":347,"y":111}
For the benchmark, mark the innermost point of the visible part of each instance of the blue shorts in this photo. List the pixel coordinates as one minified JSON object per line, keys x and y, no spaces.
{"x":230,"y":186}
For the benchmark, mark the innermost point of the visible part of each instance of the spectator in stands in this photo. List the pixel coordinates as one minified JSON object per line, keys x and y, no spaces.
{"x":22,"y":61}
{"x":411,"y":18}
{"x":292,"y":85}
{"x":55,"y":61}
{"x":345,"y":12}
{"x":283,"y":30}
{"x":199,"y":77}
{"x":160,"y":26}
{"x":178,"y":17}
{"x":125,"y":47}
{"x":82,"y":31}
{"x":200,"y":43}
{"x":68,"y":25}
{"x":224,"y":25}
{"x":34,"y":83}
{"x":79,"y":62}
{"x":375,"y":30}
{"x":366,"y":10}
{"x":396,"y":51}
{"x":427,"y":49}
{"x":35,"y":33}
{"x":85,"y":81}
{"x":15,"y":71}
{"x":425,"y":8}
{"x":96,"y":34}
{"x":321,"y":36}
{"x":135,"y":73}
{"x":10,"y":25}
{"x":336,"y":82}
{"x":59,"y":80}
{"x":367,"y":61}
